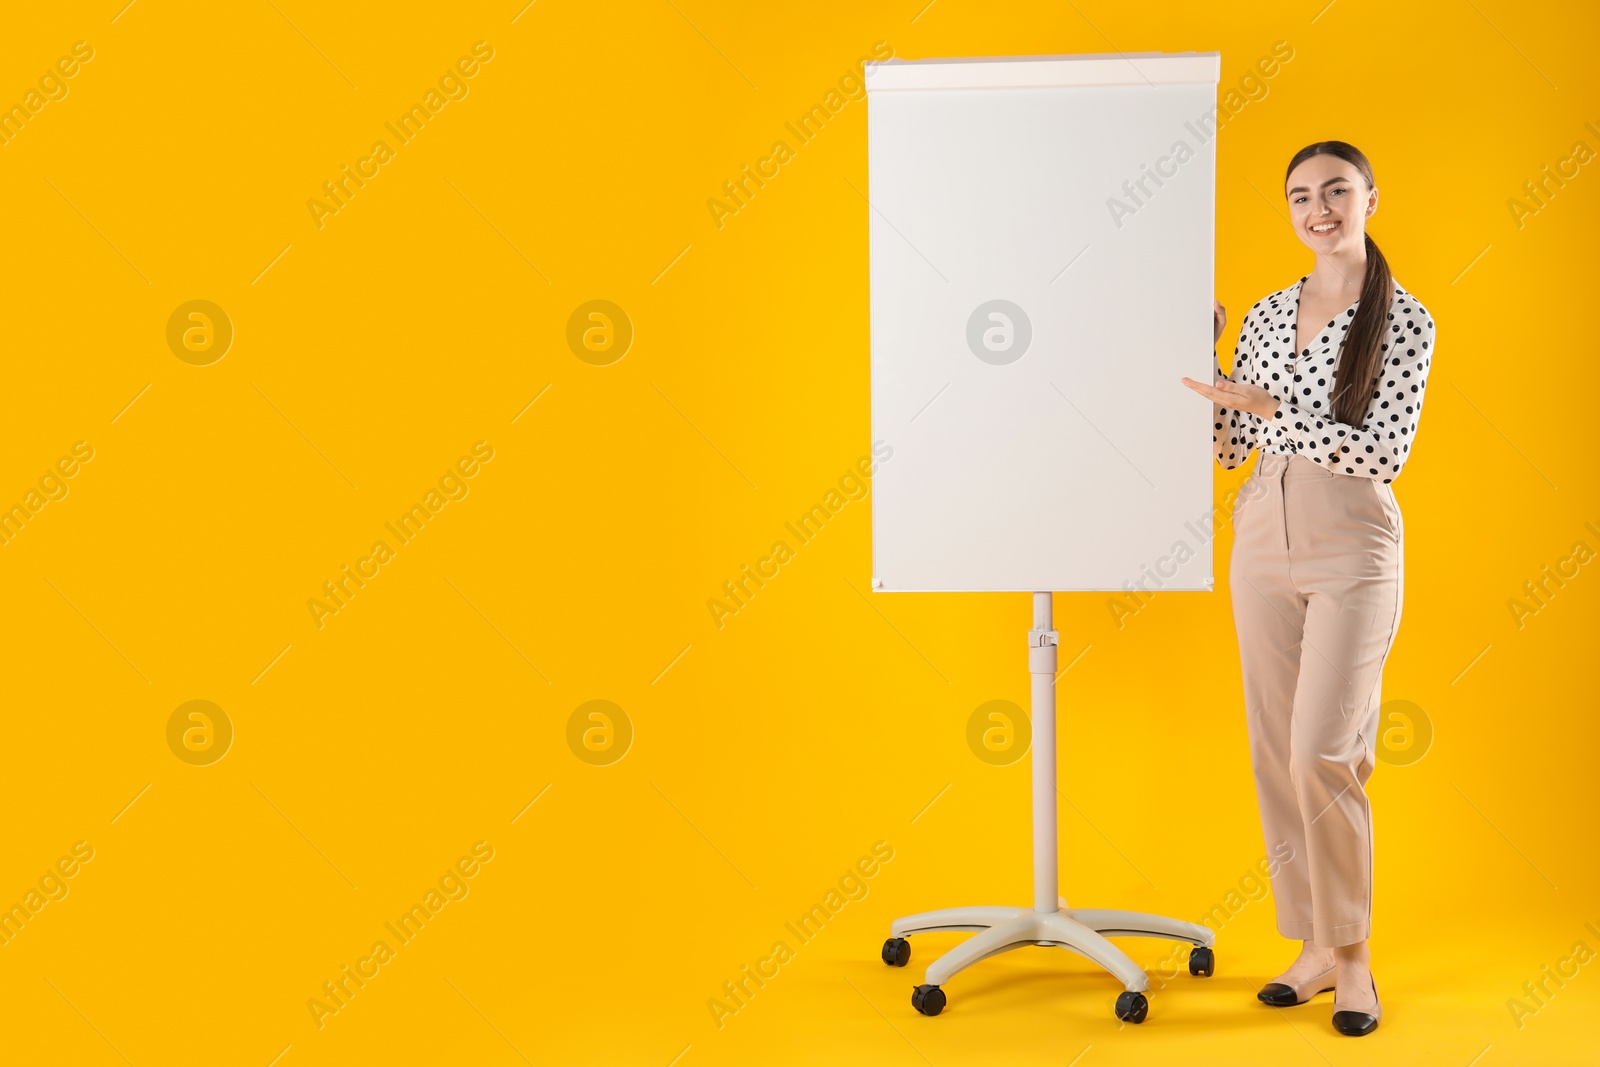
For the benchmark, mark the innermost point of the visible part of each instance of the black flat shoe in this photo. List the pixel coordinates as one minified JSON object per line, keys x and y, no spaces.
{"x":1287,"y":996}
{"x":1357,"y":1023}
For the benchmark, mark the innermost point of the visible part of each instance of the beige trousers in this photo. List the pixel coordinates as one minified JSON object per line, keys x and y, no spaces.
{"x":1316,"y":576}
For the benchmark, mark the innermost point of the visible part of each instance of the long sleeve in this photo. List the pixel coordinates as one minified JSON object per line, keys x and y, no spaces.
{"x":1233,"y":432}
{"x":1379,"y":447}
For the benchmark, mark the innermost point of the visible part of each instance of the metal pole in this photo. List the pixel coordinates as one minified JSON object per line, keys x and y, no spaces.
{"x":1042,"y":640}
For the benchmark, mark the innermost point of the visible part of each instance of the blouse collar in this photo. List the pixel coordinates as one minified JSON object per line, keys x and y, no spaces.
{"x":1288,"y":310}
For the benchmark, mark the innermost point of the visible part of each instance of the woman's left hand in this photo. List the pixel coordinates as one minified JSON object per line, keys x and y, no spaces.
{"x":1240,"y":396}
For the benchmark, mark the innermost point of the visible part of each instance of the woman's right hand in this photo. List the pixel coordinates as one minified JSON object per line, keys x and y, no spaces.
{"x":1219,"y":319}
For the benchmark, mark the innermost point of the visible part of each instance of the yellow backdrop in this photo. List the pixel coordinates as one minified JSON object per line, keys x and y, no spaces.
{"x":400,"y":398}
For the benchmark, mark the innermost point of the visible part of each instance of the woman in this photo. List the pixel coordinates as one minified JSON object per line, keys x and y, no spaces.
{"x":1327,"y":384}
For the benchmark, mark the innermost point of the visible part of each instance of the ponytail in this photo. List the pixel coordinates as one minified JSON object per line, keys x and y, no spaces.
{"x":1360,"y":359}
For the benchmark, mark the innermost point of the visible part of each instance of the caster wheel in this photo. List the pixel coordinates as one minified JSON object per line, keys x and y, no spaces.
{"x":1202,"y":962}
{"x":897,"y":952}
{"x":928,"y":999}
{"x":1132,"y":1007}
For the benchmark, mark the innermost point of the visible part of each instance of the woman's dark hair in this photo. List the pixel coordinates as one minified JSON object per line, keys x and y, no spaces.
{"x":1360,"y":361}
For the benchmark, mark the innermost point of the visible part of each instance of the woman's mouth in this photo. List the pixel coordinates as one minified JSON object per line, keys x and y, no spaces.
{"x":1322,"y":228}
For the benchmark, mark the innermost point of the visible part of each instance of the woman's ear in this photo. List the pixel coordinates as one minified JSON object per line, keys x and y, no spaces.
{"x":1372,"y":202}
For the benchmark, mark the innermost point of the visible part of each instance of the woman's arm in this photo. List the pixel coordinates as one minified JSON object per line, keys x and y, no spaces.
{"x":1379,"y":448}
{"x":1233,"y":432}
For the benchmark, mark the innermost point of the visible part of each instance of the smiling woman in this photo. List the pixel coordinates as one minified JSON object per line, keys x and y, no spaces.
{"x":1327,"y":384}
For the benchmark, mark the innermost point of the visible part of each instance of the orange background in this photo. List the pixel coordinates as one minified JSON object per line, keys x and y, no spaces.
{"x":759,"y":760}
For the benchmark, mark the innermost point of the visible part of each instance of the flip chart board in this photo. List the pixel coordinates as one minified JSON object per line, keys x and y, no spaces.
{"x":1041,"y":268}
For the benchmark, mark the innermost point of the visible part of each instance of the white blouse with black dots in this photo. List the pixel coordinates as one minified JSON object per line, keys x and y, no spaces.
{"x":1304,"y":422}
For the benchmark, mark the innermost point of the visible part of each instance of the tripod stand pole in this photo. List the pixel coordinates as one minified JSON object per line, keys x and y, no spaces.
{"x":1042,"y":644}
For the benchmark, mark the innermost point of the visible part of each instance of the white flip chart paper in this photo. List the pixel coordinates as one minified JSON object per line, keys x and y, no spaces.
{"x":1042,"y":242}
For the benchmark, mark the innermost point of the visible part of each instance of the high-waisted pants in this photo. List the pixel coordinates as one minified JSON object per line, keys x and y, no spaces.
{"x":1316,"y":577}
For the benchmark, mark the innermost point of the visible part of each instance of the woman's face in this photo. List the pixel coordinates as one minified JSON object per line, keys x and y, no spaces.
{"x":1329,"y":204}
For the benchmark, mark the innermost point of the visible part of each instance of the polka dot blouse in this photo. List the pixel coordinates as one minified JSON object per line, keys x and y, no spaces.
{"x":1304,"y":423}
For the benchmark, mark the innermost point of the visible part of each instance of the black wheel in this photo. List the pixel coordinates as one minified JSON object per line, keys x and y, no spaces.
{"x":1132,"y":1007}
{"x":1202,"y":962}
{"x":928,"y":999}
{"x":897,"y":952}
